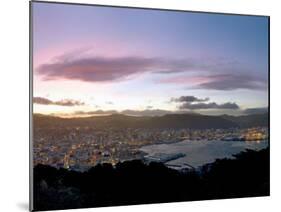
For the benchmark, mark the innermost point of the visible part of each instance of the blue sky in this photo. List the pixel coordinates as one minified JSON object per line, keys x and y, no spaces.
{"x":137,"y":58}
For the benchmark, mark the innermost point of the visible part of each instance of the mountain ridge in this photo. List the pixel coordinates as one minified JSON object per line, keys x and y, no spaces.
{"x":192,"y":121}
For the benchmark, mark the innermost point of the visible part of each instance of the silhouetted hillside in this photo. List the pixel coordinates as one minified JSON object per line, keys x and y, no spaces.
{"x":134,"y":182}
{"x":253,"y":120}
{"x":192,"y":121}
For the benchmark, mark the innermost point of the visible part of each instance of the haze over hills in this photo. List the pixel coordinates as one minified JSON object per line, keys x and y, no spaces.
{"x":192,"y":121}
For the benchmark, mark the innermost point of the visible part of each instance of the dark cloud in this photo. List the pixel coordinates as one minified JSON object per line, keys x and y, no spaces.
{"x":97,"y":69}
{"x":226,"y":81}
{"x":100,"y":69}
{"x":109,"y":102}
{"x":211,"y":105}
{"x":233,"y":81}
{"x":63,"y":102}
{"x":260,"y":110}
{"x":223,"y":74}
{"x":189,"y":99}
{"x":42,"y":101}
{"x":77,"y":65}
{"x":195,"y":103}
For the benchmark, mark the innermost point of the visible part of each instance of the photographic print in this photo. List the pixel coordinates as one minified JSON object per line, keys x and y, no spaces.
{"x":138,"y":106}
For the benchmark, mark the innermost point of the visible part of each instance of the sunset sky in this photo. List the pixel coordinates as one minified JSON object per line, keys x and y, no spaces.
{"x":89,"y":58}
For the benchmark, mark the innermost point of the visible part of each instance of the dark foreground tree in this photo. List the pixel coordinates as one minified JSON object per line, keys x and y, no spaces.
{"x":133,"y":182}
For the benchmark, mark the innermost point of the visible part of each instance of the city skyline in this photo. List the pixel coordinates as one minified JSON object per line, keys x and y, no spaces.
{"x":106,"y":59}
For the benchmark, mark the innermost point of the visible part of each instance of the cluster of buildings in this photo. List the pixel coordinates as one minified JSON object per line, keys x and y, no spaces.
{"x":79,"y":148}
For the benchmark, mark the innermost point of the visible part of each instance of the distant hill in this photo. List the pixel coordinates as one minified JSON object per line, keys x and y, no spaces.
{"x":192,"y":121}
{"x":249,"y":120}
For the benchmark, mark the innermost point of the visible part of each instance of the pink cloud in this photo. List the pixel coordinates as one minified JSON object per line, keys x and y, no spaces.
{"x":81,"y":66}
